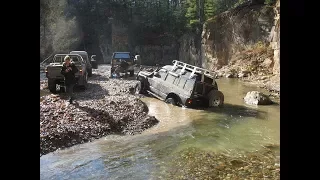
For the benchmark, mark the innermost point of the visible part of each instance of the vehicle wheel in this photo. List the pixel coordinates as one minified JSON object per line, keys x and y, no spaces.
{"x":89,"y":72}
{"x":85,"y":84}
{"x":216,"y":98}
{"x":171,"y":101}
{"x":131,"y":73}
{"x":52,"y":86}
{"x":112,"y":71}
{"x":63,"y":89}
{"x":137,"y":88}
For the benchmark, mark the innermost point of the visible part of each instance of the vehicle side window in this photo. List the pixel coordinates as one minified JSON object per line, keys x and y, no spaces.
{"x":57,"y":60}
{"x":182,"y":81}
{"x":199,"y":88}
{"x":162,"y":74}
{"x":189,"y":84}
{"x":170,"y":79}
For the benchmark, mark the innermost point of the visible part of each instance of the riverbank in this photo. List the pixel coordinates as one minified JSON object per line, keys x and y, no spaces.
{"x":254,"y":66}
{"x":106,"y":107}
{"x":195,"y":163}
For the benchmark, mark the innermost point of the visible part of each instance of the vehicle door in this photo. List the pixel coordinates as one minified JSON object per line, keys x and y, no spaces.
{"x":169,"y":85}
{"x":157,"y":80}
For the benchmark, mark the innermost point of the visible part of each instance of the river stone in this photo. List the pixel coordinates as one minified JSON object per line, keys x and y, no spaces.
{"x":257,"y":98}
{"x":229,"y":75}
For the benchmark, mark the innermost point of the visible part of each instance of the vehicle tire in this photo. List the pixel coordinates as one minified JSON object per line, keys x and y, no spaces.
{"x":52,"y":86}
{"x":89,"y":72}
{"x":171,"y":101}
{"x":137,"y":88}
{"x":111,"y":72}
{"x":85,"y":83}
{"x":131,"y":73}
{"x":63,"y":89}
{"x":215,"y":98}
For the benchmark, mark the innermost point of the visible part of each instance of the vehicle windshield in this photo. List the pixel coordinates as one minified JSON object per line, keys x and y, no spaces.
{"x":121,"y":56}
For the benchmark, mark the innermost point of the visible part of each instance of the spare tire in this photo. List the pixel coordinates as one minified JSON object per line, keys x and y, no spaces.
{"x":215,"y":98}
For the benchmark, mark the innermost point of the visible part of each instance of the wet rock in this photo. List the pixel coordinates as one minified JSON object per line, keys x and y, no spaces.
{"x":229,"y":75}
{"x":243,"y":74}
{"x":267,"y":63}
{"x":257,"y":98}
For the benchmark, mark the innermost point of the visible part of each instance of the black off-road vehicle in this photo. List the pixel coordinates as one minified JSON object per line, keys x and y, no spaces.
{"x":181,"y":84}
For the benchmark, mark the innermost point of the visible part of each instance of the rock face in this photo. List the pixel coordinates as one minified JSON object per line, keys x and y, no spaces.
{"x":257,"y":98}
{"x":189,"y":49}
{"x":234,"y":31}
{"x":275,"y":39}
{"x":243,"y":42}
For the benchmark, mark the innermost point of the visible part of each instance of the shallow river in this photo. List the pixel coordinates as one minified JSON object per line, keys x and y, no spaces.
{"x":233,"y":129}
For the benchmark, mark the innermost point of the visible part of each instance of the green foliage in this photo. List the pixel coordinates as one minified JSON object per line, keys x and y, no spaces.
{"x":269,"y":2}
{"x":148,"y":20}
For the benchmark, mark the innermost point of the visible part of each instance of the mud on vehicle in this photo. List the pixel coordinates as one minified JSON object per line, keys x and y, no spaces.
{"x":181,"y":84}
{"x":122,"y":62}
{"x":56,"y":79}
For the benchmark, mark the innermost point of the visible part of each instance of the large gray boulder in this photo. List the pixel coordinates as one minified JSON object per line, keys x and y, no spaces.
{"x":257,"y":98}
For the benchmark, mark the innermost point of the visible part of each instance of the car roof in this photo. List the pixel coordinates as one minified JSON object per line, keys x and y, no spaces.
{"x":169,"y":68}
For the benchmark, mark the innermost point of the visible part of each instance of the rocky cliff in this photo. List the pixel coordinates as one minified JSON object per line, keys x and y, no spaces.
{"x":243,"y":42}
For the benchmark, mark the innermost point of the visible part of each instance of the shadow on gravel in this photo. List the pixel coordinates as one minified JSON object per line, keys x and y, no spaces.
{"x":116,"y":127}
{"x":93,"y":92}
{"x":98,"y":77}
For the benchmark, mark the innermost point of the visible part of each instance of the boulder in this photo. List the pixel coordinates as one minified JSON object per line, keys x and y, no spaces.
{"x":257,"y":98}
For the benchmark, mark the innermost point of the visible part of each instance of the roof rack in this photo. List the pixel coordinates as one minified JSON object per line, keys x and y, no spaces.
{"x":193,"y":69}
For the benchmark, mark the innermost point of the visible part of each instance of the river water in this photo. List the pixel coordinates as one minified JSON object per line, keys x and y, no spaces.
{"x":234,"y":129}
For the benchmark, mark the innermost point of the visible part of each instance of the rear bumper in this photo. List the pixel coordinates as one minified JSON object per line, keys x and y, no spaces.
{"x":122,"y":70}
{"x":79,"y":80}
{"x":197,"y":102}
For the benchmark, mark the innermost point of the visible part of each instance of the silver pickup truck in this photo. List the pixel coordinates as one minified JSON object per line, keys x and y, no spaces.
{"x":56,"y":79}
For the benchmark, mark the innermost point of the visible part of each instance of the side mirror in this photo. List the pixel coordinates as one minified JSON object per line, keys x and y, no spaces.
{"x":93,"y":57}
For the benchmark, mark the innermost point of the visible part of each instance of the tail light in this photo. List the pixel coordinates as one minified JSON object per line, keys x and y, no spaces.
{"x":80,"y":71}
{"x":189,"y":101}
{"x":46,"y":70}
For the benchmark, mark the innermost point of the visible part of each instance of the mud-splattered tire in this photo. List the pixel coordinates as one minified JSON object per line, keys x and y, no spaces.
{"x":171,"y":101}
{"x":89,"y":72}
{"x":137,"y":88}
{"x":215,"y":98}
{"x":85,"y":85}
{"x":131,"y":73}
{"x":52,"y":86}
